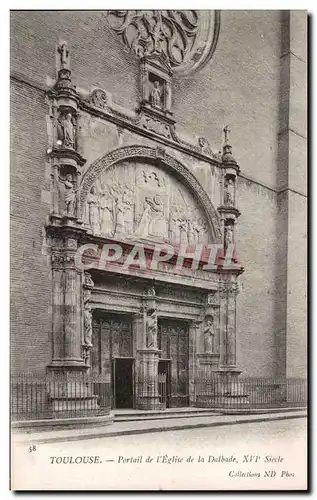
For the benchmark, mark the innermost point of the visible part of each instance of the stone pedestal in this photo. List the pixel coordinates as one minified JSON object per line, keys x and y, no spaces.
{"x":147,"y":390}
{"x":71,"y":394}
{"x":208,"y":362}
{"x":229,"y":391}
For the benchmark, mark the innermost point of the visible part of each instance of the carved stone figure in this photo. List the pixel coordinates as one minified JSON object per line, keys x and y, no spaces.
{"x":106,"y":215}
{"x":88,"y":282}
{"x":93,"y":204}
{"x":69,"y":196}
{"x":88,"y":325}
{"x":150,"y":291}
{"x":152,"y":214}
{"x":64,"y":55}
{"x":67,"y":131}
{"x":191,"y":232}
{"x":120,"y":209}
{"x":229,"y":193}
{"x":228,"y":235}
{"x":209,"y":335}
{"x":151,"y":329}
{"x":156,"y":96}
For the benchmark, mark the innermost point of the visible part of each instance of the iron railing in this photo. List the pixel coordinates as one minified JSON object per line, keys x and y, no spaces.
{"x":220,"y":392}
{"x":36,"y":396}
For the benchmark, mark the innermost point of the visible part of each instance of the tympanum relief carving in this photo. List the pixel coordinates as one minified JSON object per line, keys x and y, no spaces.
{"x":141,"y":201}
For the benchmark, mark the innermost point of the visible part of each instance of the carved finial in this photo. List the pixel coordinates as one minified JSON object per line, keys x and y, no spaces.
{"x":226,"y":131}
{"x":64,"y":73}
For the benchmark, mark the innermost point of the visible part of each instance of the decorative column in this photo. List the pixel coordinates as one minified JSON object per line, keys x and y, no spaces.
{"x":147,"y":397}
{"x":65,"y":159}
{"x":228,"y":210}
{"x":193,"y":361}
{"x":228,"y":383}
{"x":69,"y":384}
{"x":88,"y":285}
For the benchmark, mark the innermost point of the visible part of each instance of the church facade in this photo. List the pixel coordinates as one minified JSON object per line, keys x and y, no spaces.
{"x":146,"y":247}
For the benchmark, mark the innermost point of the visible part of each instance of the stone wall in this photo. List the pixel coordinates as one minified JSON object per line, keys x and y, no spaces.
{"x":30,"y":275}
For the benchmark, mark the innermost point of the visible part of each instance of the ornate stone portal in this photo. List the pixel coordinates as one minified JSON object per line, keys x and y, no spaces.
{"x":139,"y":193}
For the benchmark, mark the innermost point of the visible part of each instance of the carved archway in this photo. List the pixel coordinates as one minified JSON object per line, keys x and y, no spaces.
{"x":166,"y":162}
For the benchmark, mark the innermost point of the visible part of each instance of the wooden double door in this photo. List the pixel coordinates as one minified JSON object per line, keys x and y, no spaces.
{"x":112,"y":358}
{"x":173,"y":341}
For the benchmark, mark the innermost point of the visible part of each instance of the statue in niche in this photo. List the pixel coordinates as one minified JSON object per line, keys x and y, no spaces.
{"x":153,"y":214}
{"x":88,"y":325}
{"x":228,"y":235}
{"x":209,"y":335}
{"x":229,"y":193}
{"x":151,"y":329}
{"x":64,"y":55}
{"x":93,"y":204}
{"x":66,"y":131}
{"x":156,"y":95}
{"x":69,"y":195}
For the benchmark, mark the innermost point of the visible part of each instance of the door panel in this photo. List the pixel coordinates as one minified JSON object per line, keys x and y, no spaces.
{"x":112,"y":338}
{"x":123,"y":382}
{"x":173,"y":339}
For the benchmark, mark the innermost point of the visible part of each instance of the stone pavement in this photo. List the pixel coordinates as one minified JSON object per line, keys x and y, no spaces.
{"x":144,"y":426}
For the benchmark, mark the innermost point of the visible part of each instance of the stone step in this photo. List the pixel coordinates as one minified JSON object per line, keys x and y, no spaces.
{"x":139,"y":415}
{"x":166,"y":416}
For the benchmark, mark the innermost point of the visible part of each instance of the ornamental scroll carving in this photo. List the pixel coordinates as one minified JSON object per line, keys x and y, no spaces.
{"x":185,"y":39}
{"x":99,"y":99}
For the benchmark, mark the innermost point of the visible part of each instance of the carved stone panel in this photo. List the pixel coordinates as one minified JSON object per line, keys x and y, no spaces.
{"x":140,"y":201}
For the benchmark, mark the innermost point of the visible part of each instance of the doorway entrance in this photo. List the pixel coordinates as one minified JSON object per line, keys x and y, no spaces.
{"x":123,"y":382}
{"x":112,"y":355}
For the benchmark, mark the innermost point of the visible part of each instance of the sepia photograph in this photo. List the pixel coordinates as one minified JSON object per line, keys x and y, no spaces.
{"x":158,"y":250}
